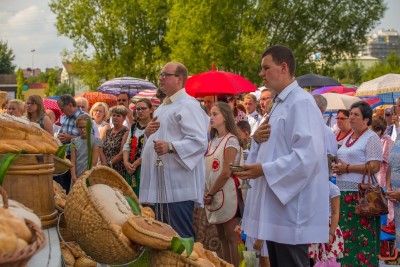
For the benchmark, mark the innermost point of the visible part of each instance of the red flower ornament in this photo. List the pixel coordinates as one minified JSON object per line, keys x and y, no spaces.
{"x":215,"y":165}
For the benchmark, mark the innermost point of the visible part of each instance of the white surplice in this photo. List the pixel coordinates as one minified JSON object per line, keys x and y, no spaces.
{"x":184,"y":124}
{"x":289,"y":204}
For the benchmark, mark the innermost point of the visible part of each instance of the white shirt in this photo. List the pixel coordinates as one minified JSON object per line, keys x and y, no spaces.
{"x":254,"y":120}
{"x":289,"y":204}
{"x":183,"y":123}
{"x":331,"y":143}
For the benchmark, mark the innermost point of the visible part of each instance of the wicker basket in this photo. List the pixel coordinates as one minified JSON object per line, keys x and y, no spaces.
{"x":21,"y":257}
{"x":89,"y":227}
{"x":167,"y":258}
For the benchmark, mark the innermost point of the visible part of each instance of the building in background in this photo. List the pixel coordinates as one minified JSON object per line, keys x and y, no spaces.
{"x":380,"y":44}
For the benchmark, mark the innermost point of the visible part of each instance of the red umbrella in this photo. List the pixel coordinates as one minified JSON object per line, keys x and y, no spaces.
{"x":94,"y":97}
{"x":52,"y":105}
{"x":218,"y":83}
{"x":340,"y":89}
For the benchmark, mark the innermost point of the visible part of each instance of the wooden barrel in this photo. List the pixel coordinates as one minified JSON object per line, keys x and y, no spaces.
{"x":29,"y":180}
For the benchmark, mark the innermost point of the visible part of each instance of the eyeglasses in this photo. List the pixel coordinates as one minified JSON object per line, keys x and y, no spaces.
{"x":341,"y":118}
{"x":164,"y":75}
{"x":387,"y":114}
{"x":30,"y":103}
{"x":141,"y":109}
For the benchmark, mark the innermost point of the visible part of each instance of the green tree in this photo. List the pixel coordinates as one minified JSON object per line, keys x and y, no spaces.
{"x":391,"y":64}
{"x":349,"y":72}
{"x":20,"y":82}
{"x":136,"y":37}
{"x":6,"y":59}
{"x":64,"y":89}
{"x":52,"y":83}
{"x":125,"y":36}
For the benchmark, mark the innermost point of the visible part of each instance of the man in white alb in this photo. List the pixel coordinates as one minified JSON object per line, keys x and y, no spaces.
{"x":287,"y":162}
{"x":178,"y":135}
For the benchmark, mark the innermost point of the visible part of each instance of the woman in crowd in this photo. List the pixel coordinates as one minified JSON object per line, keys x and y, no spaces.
{"x":115,"y":139}
{"x":79,"y":149}
{"x":379,"y":127}
{"x":393,"y":185}
{"x":16,"y":107}
{"x":343,"y":124}
{"x":100,"y":114}
{"x":37,"y":113}
{"x":222,"y":195}
{"x":133,"y":147}
{"x":362,"y":147}
{"x":238,"y":114}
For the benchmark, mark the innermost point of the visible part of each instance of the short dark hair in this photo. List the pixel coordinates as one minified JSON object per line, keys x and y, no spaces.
{"x":66,"y":100}
{"x":344,"y":112}
{"x":379,"y":124}
{"x":244,"y":126}
{"x":366,"y":110}
{"x":282,"y":54}
{"x":182,"y":70}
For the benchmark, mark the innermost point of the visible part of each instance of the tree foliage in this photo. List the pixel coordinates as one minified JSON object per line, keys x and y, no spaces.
{"x":63,"y":89}
{"x":350,"y":72}
{"x":6,"y":59}
{"x":51,"y":83}
{"x":136,"y":37}
{"x":391,"y":64}
{"x":20,"y":83}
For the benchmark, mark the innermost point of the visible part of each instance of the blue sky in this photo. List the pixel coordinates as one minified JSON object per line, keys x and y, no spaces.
{"x":28,"y":25}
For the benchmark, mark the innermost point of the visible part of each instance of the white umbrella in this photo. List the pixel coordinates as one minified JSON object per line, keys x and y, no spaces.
{"x":388,"y":83}
{"x":339,"y":101}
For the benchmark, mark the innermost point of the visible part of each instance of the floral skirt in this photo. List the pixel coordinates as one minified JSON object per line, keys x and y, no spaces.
{"x":361,"y":235}
{"x":334,"y":250}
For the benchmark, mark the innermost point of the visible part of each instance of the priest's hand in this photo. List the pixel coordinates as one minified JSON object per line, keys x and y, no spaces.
{"x":262,"y":133}
{"x":160,"y":147}
{"x":251,"y":171}
{"x":152,"y":127}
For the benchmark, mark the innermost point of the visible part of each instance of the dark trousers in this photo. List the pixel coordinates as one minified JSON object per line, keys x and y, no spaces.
{"x":283,"y":255}
{"x":180,"y":217}
{"x":64,"y":179}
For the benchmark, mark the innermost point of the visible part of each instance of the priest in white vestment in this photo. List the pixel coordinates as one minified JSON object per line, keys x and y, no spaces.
{"x":178,"y":135}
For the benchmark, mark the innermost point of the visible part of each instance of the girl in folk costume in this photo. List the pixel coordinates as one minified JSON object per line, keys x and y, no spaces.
{"x":335,"y":247}
{"x":222,"y":197}
{"x":133,"y":147}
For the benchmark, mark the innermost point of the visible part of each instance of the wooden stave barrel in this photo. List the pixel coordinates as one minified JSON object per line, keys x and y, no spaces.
{"x":29,"y":180}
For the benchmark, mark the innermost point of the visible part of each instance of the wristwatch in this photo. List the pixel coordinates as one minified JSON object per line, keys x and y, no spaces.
{"x":170,"y":149}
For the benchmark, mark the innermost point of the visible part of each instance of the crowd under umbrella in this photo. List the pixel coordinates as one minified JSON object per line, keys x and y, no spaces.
{"x":218,"y":83}
{"x":316,"y":81}
{"x":129,"y":85}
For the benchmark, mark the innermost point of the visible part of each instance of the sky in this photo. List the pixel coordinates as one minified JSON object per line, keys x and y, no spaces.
{"x":29,"y":29}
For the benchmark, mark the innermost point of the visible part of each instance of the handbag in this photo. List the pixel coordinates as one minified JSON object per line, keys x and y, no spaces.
{"x":371,"y":198}
{"x":326,"y":262}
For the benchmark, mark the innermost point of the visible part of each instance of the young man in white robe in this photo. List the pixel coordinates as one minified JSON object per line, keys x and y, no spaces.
{"x":288,"y":166}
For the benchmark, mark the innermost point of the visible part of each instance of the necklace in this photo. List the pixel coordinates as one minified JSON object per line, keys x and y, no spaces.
{"x":350,"y":143}
{"x":338,"y":138}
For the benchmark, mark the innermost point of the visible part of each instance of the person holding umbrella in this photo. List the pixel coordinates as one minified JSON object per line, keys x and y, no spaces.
{"x":173,"y":155}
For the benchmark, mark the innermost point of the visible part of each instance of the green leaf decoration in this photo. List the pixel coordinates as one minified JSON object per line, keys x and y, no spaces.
{"x":180,"y":244}
{"x":134,"y":205}
{"x":62,"y":150}
{"x":89,"y":143}
{"x":5,"y":163}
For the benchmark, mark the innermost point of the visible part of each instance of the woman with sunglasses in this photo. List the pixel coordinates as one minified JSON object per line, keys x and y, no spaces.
{"x":343,"y":124}
{"x":134,"y":144}
{"x":36,"y":112}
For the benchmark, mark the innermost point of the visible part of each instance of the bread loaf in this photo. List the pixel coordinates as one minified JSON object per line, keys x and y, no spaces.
{"x":21,"y":135}
{"x":8,"y":240}
{"x":85,"y":262}
{"x":149,"y":232}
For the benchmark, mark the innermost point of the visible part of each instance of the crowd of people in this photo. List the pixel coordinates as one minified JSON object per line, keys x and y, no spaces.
{"x":189,"y":161}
